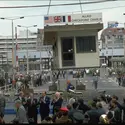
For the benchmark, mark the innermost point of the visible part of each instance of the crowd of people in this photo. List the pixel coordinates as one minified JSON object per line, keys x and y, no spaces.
{"x":105,"y":110}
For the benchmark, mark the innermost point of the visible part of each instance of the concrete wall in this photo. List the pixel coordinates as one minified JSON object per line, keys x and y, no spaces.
{"x":81,"y":59}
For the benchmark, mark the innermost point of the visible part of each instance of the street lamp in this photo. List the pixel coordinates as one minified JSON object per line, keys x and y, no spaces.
{"x":27,"y":27}
{"x":12,"y":20}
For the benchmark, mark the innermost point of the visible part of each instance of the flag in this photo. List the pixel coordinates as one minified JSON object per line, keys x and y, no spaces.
{"x":58,"y":19}
{"x":69,"y":18}
{"x":63,"y":19}
{"x":48,"y":19}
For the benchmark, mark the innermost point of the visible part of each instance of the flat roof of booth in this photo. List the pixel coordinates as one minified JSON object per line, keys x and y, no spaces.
{"x":51,"y":31}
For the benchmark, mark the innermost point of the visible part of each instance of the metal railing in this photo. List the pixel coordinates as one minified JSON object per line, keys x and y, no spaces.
{"x":7,"y":88}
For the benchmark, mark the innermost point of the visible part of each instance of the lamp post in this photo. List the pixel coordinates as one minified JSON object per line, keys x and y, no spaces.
{"x":12,"y":20}
{"x":27,"y":28}
{"x":124,"y":39}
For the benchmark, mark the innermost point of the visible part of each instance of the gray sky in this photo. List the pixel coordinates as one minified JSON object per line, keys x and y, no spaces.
{"x":114,"y":14}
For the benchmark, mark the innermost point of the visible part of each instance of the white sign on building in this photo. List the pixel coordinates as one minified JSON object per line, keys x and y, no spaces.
{"x":87,"y":18}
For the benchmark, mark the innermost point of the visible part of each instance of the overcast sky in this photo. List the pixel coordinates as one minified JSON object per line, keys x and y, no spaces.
{"x":114,"y":14}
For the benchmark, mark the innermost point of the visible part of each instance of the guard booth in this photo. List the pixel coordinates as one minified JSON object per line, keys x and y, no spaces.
{"x":74,"y":39}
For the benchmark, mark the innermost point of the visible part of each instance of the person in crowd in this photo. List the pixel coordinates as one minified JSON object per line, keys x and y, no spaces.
{"x":78,"y":117}
{"x":57,"y":102}
{"x":83,"y":106}
{"x":21,"y":97}
{"x":21,"y":116}
{"x":93,"y":114}
{"x":95,"y":81}
{"x":71,"y":101}
{"x":44,"y":106}
{"x":2,"y":103}
{"x":1,"y":119}
{"x":69,"y":86}
{"x":56,"y":116}
{"x":32,"y":109}
{"x":123,"y":111}
{"x":116,"y":111}
{"x":64,"y":118}
{"x":74,"y":109}
{"x":100,"y":109}
{"x":47,"y":120}
{"x":107,"y":118}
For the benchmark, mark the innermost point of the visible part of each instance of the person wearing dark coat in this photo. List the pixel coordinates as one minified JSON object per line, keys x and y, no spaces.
{"x":100,"y":109}
{"x":22,"y":99}
{"x":57,"y":102}
{"x":32,"y":111}
{"x":83,"y":106}
{"x":44,"y":106}
{"x":93,"y":114}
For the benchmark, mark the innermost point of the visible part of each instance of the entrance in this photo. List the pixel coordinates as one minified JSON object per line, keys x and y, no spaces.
{"x":67,"y":52}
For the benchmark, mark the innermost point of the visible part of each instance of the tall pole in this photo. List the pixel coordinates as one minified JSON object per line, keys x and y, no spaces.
{"x":124,"y":41}
{"x":112,"y":48}
{"x":13,"y":51}
{"x":7,"y":53}
{"x":27,"y":54}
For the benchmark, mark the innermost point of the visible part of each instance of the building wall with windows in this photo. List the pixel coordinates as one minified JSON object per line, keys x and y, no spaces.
{"x":112,"y":44}
{"x":86,"y":51}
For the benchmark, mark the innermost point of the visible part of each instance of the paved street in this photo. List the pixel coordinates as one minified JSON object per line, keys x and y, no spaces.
{"x":107,"y":84}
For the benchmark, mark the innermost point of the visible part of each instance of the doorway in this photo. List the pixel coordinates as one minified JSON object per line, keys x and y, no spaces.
{"x":67,"y":45}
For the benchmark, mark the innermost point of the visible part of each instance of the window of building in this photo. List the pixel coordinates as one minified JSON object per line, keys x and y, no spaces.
{"x":85,"y":44}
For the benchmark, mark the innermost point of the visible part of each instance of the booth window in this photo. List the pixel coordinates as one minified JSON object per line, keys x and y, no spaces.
{"x":85,"y":44}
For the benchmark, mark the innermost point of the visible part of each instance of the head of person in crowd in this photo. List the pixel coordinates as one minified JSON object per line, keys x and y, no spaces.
{"x":93,"y":105}
{"x":98,"y":105}
{"x":113,"y":104}
{"x":57,"y":95}
{"x":96,"y":99}
{"x":1,"y":119}
{"x":115,"y":98}
{"x":71,"y":101}
{"x":78,"y":117}
{"x":86,"y":118}
{"x":47,"y":120}
{"x":110,"y":115}
{"x":68,"y":82}
{"x":18,"y":103}
{"x":124,"y":100}
{"x":75,"y":105}
{"x":1,"y":93}
{"x":21,"y":94}
{"x":69,"y":107}
{"x":31,"y":95}
{"x":80,"y":101}
{"x":44,"y":94}
{"x":102,"y":98}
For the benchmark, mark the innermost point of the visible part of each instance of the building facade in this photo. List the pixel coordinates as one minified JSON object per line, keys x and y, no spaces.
{"x":34,"y":54}
{"x":75,"y":45}
{"x":112,"y":44}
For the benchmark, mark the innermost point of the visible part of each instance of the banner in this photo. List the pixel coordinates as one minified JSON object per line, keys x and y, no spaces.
{"x":87,"y":18}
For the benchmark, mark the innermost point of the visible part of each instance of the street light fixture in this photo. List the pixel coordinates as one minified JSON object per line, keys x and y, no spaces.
{"x":12,"y":20}
{"x":27,"y":28}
